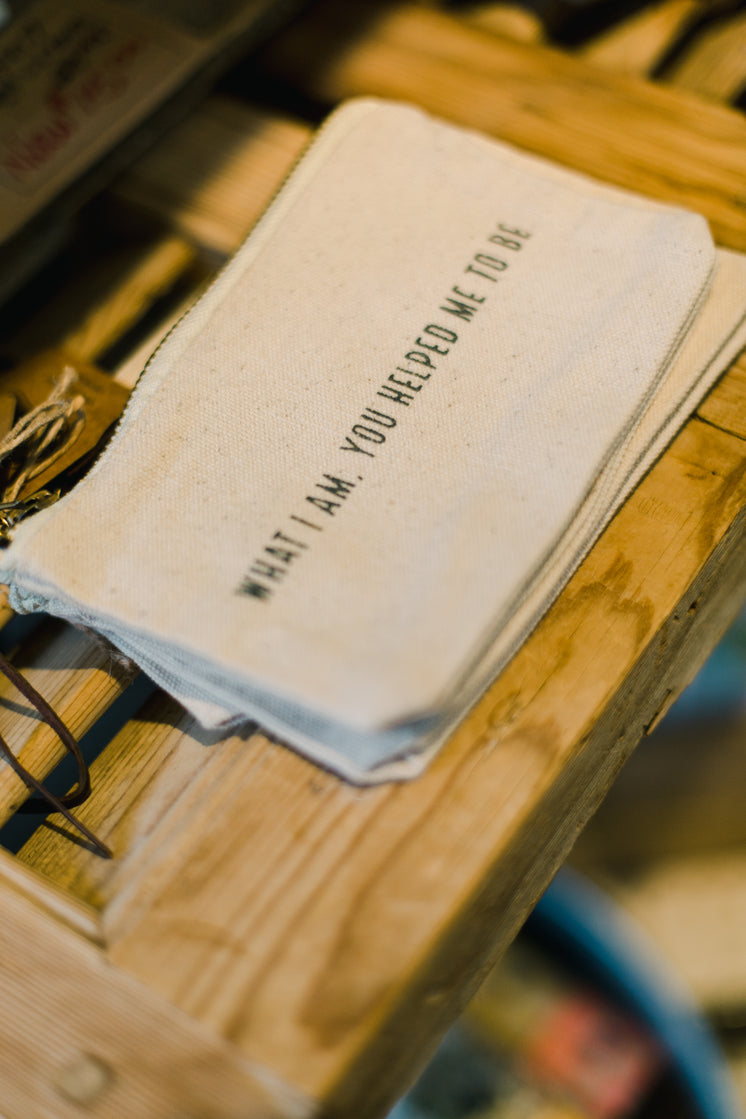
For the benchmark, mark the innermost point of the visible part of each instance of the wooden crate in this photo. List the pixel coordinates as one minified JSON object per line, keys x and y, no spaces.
{"x":268,"y":940}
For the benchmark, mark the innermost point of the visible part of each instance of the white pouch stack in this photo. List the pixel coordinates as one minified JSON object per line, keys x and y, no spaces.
{"x":359,"y":470}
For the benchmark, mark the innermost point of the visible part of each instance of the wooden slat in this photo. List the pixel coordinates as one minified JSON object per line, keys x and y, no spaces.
{"x":136,"y":290}
{"x":714,"y":65}
{"x":93,"y":310}
{"x":212,"y":176}
{"x":78,"y":677}
{"x":96,"y":309}
{"x":81,"y":1040}
{"x":128,"y":371}
{"x":334,"y":932}
{"x":142,"y":782}
{"x":637,"y":44}
{"x":660,"y":142}
{"x":511,"y":20}
{"x":225,"y":163}
{"x":694,"y":909}
{"x":725,"y":405}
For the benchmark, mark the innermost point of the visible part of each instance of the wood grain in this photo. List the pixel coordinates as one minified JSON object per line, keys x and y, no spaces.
{"x":78,"y":677}
{"x":95,"y":308}
{"x":81,"y":1040}
{"x":334,"y":932}
{"x":510,"y":20}
{"x":137,"y":288}
{"x":143,"y":783}
{"x":715,"y":64}
{"x":66,"y":909}
{"x":725,"y":405}
{"x":660,"y":142}
{"x":329,"y":933}
{"x":244,"y":154}
{"x":637,"y":44}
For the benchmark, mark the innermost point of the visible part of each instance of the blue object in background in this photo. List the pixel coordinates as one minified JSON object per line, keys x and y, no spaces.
{"x":576,"y":925}
{"x":576,"y":917}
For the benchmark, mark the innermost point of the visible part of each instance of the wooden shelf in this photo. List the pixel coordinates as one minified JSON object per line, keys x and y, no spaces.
{"x":268,"y":940}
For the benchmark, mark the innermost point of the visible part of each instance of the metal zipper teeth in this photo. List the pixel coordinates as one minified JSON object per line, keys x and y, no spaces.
{"x":289,"y":174}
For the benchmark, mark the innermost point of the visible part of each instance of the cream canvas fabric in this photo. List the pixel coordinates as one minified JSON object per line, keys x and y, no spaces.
{"x":360,"y":469}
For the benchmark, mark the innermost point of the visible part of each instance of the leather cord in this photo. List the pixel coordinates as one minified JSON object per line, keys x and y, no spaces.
{"x":82,"y":789}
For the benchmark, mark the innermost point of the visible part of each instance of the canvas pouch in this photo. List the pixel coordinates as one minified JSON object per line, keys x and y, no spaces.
{"x":361,"y":467}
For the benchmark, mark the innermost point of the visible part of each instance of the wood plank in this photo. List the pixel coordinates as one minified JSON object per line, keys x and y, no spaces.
{"x":638,"y":43}
{"x":335,"y":936}
{"x":128,"y":371}
{"x":510,"y":20}
{"x":212,"y":176}
{"x":66,"y":909}
{"x":143,"y":789}
{"x":694,"y":908}
{"x":661,"y":142}
{"x":96,"y":307}
{"x":333,"y":932}
{"x":78,"y":677}
{"x":81,"y":1040}
{"x":714,"y":65}
{"x":725,"y":404}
